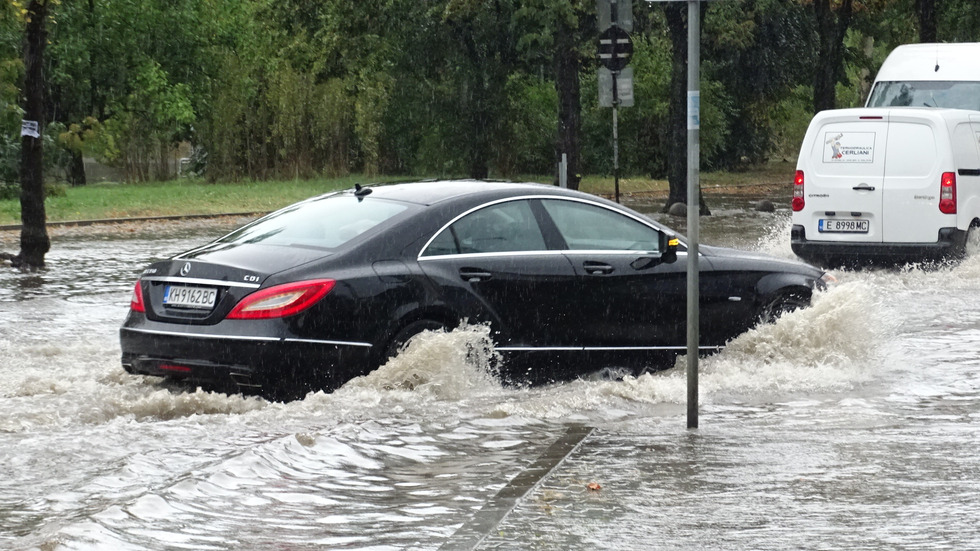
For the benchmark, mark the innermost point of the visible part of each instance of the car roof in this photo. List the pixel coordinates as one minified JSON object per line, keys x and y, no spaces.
{"x":430,"y":192}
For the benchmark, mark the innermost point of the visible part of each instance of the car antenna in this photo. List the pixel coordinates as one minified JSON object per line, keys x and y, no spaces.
{"x":361,"y":192}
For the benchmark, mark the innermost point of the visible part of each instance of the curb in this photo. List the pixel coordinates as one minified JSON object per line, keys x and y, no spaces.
{"x":136,"y":219}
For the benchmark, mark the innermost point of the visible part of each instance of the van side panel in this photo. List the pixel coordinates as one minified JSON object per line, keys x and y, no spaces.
{"x":844,"y":165}
{"x":966,"y":139}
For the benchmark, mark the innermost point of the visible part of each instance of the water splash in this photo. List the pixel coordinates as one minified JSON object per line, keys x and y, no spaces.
{"x":775,"y":239}
{"x":438,"y":364}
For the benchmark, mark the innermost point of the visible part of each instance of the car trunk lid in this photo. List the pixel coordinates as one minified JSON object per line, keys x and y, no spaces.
{"x":202,"y":286}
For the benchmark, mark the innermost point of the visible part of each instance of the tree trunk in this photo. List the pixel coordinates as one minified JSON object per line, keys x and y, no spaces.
{"x":479,"y":129}
{"x":569,"y":105}
{"x":34,"y":240}
{"x":926,"y":11}
{"x":76,"y":170}
{"x":676,"y":14}
{"x":831,"y":30}
{"x":677,"y":132}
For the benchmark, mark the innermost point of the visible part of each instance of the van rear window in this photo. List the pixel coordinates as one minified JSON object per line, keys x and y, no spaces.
{"x":926,"y":93}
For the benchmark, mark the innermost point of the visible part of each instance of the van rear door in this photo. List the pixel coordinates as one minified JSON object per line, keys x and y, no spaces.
{"x":844,"y":170}
{"x":910,"y":204}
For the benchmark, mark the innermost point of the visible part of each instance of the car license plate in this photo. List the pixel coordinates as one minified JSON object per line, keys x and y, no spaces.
{"x":190,"y":297}
{"x":833,"y":225}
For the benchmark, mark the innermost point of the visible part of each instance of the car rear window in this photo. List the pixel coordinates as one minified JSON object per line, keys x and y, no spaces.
{"x":327,"y":222}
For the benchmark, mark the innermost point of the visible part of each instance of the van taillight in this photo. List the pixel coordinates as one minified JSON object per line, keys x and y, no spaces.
{"x":798,"y":201}
{"x":947,"y":193}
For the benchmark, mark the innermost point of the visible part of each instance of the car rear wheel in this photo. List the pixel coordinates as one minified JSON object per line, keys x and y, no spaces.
{"x":782,"y":304}
{"x":407,"y":333}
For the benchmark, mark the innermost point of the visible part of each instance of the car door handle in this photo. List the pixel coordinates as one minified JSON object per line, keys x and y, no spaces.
{"x":863,"y":187}
{"x":593,"y":268}
{"x":474,"y":274}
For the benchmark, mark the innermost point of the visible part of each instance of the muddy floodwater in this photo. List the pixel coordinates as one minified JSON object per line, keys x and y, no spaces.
{"x":854,"y":424}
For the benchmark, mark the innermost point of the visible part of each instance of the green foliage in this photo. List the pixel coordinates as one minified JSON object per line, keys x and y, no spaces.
{"x":527,"y":140}
{"x":294,"y":89}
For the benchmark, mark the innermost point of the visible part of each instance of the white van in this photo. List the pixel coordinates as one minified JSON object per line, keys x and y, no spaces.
{"x":929,"y":75}
{"x":895,"y":184}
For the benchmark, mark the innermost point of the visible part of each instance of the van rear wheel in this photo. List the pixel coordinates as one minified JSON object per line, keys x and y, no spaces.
{"x":972,"y":243}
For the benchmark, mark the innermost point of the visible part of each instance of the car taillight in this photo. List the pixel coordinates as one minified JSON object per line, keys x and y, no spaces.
{"x":947,"y":193}
{"x":136,"y":302}
{"x":798,"y":201}
{"x":281,"y":300}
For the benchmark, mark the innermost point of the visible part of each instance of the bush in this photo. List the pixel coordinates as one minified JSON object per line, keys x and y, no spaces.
{"x":9,"y":192}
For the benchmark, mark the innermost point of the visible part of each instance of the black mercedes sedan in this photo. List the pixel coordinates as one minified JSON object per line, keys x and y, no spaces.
{"x":328,"y":289}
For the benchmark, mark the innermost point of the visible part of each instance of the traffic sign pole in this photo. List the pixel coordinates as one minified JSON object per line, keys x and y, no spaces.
{"x":615,"y":52}
{"x":615,"y":113}
{"x":693,"y":206}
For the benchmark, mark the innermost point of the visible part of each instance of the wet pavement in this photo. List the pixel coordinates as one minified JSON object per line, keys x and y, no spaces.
{"x":852,"y":424}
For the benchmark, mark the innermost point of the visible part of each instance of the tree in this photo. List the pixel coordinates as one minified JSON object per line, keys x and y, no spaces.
{"x":927,"y":12}
{"x":831,"y":26}
{"x":34,"y":240}
{"x":560,"y":33}
{"x":675,"y":13}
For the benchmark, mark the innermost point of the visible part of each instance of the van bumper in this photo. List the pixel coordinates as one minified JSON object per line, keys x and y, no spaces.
{"x":951,"y":244}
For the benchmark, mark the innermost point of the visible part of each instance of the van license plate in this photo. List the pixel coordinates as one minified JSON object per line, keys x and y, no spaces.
{"x":831,"y":225}
{"x":190,"y":297}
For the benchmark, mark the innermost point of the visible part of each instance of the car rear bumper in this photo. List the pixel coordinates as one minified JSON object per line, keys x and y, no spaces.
{"x":951,"y":243}
{"x":273,"y":367}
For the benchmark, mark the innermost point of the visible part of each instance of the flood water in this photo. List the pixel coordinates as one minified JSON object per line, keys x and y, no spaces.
{"x":849,"y":425}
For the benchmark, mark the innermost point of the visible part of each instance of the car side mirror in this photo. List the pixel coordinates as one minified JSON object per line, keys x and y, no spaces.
{"x":669,"y":256}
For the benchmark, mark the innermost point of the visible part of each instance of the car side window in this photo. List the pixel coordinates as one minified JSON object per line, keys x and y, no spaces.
{"x":590,"y":227}
{"x":503,"y":227}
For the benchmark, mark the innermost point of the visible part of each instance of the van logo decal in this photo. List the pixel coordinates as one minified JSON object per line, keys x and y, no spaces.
{"x":849,"y":147}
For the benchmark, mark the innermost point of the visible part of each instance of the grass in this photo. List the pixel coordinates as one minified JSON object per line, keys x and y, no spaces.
{"x":185,"y":197}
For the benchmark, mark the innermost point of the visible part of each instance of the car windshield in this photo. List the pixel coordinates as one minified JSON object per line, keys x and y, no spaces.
{"x":327,"y":223}
{"x":956,"y":95}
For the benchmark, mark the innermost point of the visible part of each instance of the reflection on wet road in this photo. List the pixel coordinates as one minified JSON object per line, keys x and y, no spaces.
{"x":852,"y":424}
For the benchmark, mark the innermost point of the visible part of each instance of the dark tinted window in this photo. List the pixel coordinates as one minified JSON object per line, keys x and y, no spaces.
{"x":329,"y":222}
{"x":594,"y":228}
{"x":444,"y":243}
{"x":504,"y":227}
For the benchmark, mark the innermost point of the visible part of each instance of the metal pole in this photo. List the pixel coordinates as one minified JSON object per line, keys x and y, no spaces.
{"x":693,"y":206}
{"x":563,"y":171}
{"x":614,"y":19}
{"x":615,"y":110}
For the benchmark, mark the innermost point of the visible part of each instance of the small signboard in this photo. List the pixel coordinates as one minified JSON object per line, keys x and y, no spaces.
{"x":624,"y":87}
{"x":618,"y":12}
{"x":30,"y":128}
{"x":694,"y":110}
